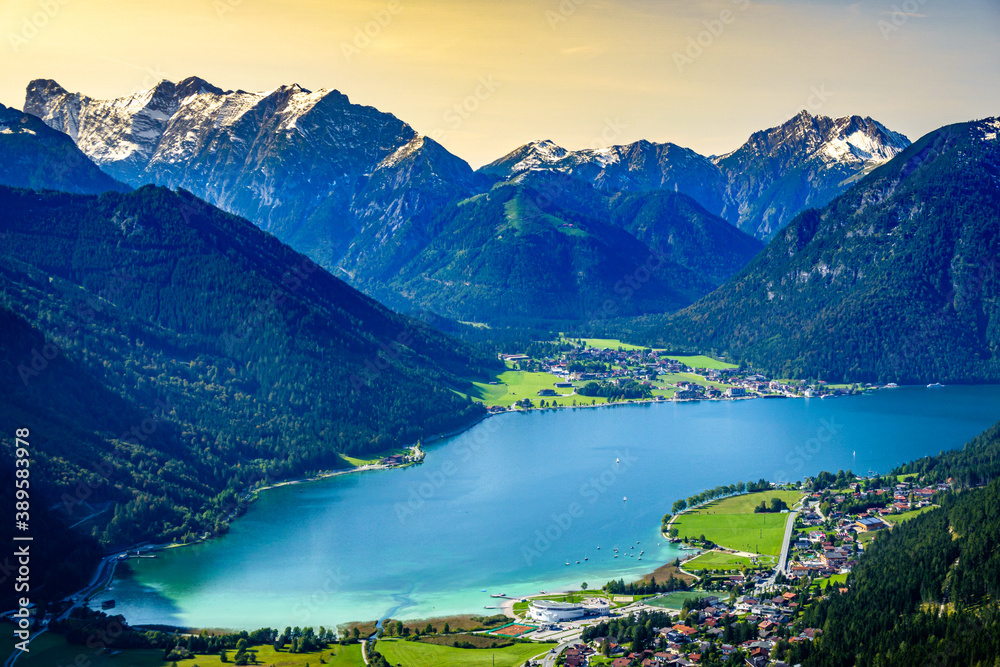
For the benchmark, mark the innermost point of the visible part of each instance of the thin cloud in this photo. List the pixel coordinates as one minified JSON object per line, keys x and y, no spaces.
{"x":589,"y":50}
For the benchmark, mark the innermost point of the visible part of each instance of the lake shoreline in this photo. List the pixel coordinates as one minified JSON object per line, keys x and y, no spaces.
{"x":552,"y":429}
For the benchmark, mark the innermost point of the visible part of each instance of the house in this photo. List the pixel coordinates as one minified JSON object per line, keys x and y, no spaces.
{"x":684,"y":630}
{"x":870,"y":523}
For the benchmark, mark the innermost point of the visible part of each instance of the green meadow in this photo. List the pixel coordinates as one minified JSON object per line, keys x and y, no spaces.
{"x":512,"y":386}
{"x":417,"y":654}
{"x":718,"y":561}
{"x":732,"y":523}
{"x":701,"y":361}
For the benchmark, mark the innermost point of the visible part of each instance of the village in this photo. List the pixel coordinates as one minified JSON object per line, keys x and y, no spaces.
{"x":586,"y":375}
{"x":754,"y":616}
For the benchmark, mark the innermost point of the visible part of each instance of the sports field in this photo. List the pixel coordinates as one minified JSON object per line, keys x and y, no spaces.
{"x":513,"y":630}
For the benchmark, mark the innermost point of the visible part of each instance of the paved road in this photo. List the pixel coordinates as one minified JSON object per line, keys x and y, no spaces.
{"x":550,"y":657}
{"x":783,"y":559}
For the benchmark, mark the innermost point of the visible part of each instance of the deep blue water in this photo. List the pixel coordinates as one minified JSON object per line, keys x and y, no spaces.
{"x":506,"y":504}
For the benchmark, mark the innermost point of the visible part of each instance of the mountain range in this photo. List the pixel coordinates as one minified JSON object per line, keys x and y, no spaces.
{"x":32,"y":155}
{"x":898,"y":279}
{"x":860,"y":284}
{"x":170,"y":355}
{"x":364,"y":195}
{"x":759,"y":188}
{"x":308,"y":167}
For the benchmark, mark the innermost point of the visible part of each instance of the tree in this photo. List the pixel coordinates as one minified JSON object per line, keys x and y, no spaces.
{"x":241,"y":657}
{"x":446,"y":629}
{"x":583,"y":586}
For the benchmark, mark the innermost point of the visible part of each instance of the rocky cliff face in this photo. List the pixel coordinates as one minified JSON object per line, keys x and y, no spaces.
{"x":310,"y":167}
{"x":759,"y":187}
{"x":803,"y":163}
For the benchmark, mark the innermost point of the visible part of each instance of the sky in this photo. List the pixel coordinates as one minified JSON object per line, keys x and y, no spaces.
{"x":484,"y":77}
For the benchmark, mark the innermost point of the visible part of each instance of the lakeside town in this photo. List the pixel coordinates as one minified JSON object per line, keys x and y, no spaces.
{"x":595,"y":372}
{"x":746,"y":614}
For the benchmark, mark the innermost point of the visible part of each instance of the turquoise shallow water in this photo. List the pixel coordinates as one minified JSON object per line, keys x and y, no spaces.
{"x":506,"y":504}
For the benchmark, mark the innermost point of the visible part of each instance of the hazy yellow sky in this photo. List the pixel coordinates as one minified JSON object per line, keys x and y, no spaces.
{"x":486,"y":77}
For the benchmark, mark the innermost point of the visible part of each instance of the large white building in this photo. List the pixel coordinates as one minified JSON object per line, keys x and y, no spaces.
{"x":546,"y":611}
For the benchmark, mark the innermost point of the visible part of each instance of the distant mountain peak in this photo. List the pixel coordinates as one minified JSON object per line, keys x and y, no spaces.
{"x":804,"y":162}
{"x":33,"y":155}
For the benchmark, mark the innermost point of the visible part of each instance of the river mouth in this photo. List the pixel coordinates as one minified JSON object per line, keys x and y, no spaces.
{"x":512,"y":504}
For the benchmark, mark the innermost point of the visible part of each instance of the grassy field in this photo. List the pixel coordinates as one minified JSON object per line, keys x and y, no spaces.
{"x":731,"y":522}
{"x":674,"y":378}
{"x":906,"y":516}
{"x":717,"y":561}
{"x":820,"y":584}
{"x":866,"y":537}
{"x":905,"y":476}
{"x":374,"y":459}
{"x":416,"y":654}
{"x":609,"y":343}
{"x":51,"y":649}
{"x":336,"y":655}
{"x":701,"y":361}
{"x":676,"y":599}
{"x":512,"y":386}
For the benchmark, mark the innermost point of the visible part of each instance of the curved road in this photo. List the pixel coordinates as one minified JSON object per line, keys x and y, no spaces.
{"x":550,"y":658}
